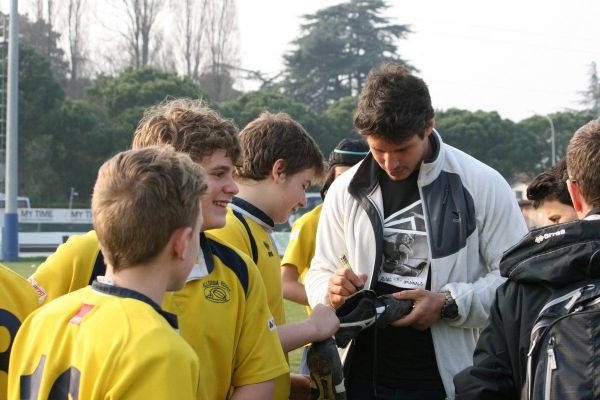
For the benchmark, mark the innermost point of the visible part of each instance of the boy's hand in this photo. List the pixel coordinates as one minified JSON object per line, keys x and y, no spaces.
{"x":300,"y":387}
{"x":426,"y":309}
{"x":324,"y":322}
{"x":343,"y":283}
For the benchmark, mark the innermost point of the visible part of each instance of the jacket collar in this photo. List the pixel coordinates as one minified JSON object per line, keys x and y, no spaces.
{"x":556,"y":255}
{"x":366,"y":178}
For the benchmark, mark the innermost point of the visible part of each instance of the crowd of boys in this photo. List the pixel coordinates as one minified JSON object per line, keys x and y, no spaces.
{"x":177,"y":292}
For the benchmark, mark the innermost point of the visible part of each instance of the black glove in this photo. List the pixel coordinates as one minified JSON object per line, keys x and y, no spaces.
{"x":363,"y":309}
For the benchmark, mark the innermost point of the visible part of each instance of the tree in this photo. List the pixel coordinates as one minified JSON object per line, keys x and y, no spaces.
{"x":83,"y":140}
{"x":340,"y":115}
{"x":137,"y":88}
{"x":591,"y":96}
{"x":565,"y":124}
{"x":337,"y":48}
{"x":40,"y":36}
{"x":250,"y":105}
{"x":40,"y":101}
{"x":75,"y":36}
{"x":500,"y":143}
{"x":141,"y":19}
{"x":191,"y":35}
{"x":220,"y":32}
{"x":124,"y":97}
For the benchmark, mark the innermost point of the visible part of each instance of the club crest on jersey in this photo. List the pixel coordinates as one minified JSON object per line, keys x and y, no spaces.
{"x":271,"y":324}
{"x":217,"y":291}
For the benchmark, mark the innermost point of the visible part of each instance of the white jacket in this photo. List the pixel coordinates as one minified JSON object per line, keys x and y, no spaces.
{"x":472,"y":217}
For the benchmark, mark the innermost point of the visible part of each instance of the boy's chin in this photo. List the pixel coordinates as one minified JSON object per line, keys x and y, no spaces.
{"x":214,"y":223}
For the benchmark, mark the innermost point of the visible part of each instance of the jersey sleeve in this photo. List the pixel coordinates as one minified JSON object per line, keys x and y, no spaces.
{"x":259,"y":356}
{"x":17,"y":301}
{"x":68,"y":269}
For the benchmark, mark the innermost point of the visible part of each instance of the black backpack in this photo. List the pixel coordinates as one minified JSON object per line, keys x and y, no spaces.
{"x":563,"y":361}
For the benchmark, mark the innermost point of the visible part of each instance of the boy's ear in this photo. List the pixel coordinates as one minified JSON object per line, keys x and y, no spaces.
{"x":278,"y":171}
{"x":181,"y":242}
{"x":429,"y":127}
{"x":576,"y":197}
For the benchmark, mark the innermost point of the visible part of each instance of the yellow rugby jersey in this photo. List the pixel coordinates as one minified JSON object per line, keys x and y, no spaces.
{"x":247,"y":229}
{"x":79,"y":261}
{"x":301,"y":247}
{"x":73,"y":266}
{"x":102,"y":342}
{"x":223,"y":314}
{"x":17,"y":301}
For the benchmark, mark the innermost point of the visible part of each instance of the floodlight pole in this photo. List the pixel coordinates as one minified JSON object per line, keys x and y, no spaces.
{"x":552,"y":139}
{"x":10,"y":234}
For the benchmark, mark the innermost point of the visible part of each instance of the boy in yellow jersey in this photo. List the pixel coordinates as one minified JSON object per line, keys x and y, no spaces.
{"x":279,"y":162}
{"x":112,"y":340}
{"x":222,"y":310}
{"x":17,"y":301}
{"x":301,"y":246}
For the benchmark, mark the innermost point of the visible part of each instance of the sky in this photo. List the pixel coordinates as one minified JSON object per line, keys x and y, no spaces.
{"x":516,"y":57}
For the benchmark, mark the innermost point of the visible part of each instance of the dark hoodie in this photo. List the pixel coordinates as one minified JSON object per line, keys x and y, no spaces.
{"x":545,"y":260}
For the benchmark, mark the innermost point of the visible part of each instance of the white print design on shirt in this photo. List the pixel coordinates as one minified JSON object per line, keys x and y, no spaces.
{"x":405,"y":249}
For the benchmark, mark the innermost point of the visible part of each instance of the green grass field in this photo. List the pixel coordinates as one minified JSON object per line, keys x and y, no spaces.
{"x":294,"y":312}
{"x":25,"y":267}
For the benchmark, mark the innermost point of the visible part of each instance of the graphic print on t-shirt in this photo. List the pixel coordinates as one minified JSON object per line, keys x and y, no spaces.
{"x":405,"y":249}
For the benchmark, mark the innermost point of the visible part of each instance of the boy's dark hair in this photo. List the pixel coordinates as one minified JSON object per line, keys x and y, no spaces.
{"x":348,"y":152}
{"x":550,"y":185}
{"x":190,"y":126}
{"x":140,"y":198}
{"x":583,"y":161}
{"x":394,"y":105}
{"x":271,"y":137}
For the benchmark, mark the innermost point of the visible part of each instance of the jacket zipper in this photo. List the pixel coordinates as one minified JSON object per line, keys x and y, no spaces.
{"x":550,"y":367}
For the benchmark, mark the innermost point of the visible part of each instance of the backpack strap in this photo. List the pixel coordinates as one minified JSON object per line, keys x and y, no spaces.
{"x":253,"y":247}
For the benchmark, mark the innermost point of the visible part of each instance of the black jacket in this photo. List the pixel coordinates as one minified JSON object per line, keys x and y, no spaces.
{"x":544,"y":260}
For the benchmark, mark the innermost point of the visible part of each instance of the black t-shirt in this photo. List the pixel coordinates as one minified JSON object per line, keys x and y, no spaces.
{"x":399,"y":357}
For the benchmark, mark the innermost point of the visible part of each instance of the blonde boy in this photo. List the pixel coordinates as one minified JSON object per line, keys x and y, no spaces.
{"x":112,"y":340}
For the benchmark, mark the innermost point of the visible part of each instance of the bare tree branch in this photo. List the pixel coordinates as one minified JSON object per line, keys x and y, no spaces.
{"x":141,"y":19}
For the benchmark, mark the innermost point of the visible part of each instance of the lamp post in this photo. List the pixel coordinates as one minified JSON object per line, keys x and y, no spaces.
{"x":71,"y":195}
{"x":10,"y":230}
{"x":552,"y":139}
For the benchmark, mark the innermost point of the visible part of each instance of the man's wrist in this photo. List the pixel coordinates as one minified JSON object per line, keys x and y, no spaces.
{"x":449,"y":310}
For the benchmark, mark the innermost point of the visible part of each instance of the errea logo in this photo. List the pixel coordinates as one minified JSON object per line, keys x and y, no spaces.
{"x":539,"y":239}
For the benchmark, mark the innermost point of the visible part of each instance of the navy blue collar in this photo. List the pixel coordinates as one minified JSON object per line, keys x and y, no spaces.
{"x":253,"y":210}
{"x":593,"y":211}
{"x":132,"y":294}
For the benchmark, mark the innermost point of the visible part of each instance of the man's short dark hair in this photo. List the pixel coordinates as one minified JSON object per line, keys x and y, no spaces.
{"x":394,"y":105}
{"x":583,"y":161}
{"x":550,"y":185}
